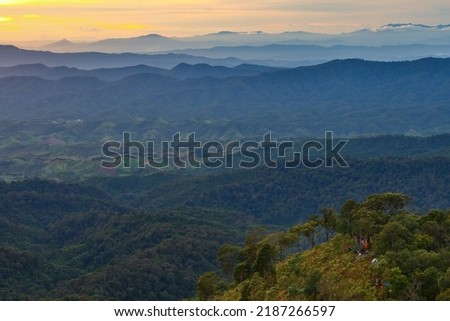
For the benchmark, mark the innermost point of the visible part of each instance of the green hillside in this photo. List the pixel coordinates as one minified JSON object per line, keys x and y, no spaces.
{"x":151,"y":237}
{"x":350,"y":97}
{"x":379,"y":251}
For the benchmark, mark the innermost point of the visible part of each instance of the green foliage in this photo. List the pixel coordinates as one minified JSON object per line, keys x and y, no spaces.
{"x":404,"y":261}
{"x":347,"y":217}
{"x":137,"y":238}
{"x":227,"y":257}
{"x":63,"y":241}
{"x":329,"y":221}
{"x":390,"y":203}
{"x":308,"y":230}
{"x":444,"y":296}
{"x":428,"y":283}
{"x":398,"y":283}
{"x":312,"y":285}
{"x":393,"y":237}
{"x":264,"y":262}
{"x":208,"y":285}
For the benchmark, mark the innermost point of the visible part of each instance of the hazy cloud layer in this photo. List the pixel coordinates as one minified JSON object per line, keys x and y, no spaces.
{"x":25,"y":20}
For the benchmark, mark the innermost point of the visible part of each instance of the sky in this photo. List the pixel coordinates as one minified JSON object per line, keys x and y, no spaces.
{"x":51,"y":20}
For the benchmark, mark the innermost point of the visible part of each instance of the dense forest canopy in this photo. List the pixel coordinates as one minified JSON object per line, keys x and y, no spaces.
{"x":151,"y":237}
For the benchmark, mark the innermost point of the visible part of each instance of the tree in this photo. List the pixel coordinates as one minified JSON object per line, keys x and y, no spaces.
{"x":428,"y":280}
{"x":228,"y":256}
{"x":241,"y":272}
{"x":389,"y":203}
{"x":312,"y":285}
{"x":444,"y":296}
{"x":434,"y":230}
{"x":444,"y":281}
{"x":393,"y":237}
{"x":308,"y":230}
{"x":329,"y":221}
{"x":365,"y":226}
{"x":399,"y":283}
{"x":282,"y":240}
{"x":208,"y":285}
{"x":287,"y":240}
{"x":346,"y":219}
{"x":256,"y":235}
{"x":264,"y":263}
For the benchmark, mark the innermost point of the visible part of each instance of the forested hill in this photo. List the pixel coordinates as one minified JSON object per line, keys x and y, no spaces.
{"x":284,"y":196}
{"x":60,"y":241}
{"x":151,"y":237}
{"x":378,"y":251}
{"x":350,"y":97}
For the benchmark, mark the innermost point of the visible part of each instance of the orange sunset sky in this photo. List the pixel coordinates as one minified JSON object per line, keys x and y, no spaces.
{"x":41,"y":20}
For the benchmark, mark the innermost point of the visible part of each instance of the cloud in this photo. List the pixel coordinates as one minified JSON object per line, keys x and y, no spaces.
{"x":5,"y":19}
{"x":117,"y":18}
{"x":92,"y":29}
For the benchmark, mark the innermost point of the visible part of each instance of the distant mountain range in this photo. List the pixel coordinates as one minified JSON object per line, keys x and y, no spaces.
{"x":274,"y":55}
{"x":350,"y":97}
{"x":391,"y":34}
{"x":296,"y":55}
{"x":181,"y":71}
{"x":12,"y":56}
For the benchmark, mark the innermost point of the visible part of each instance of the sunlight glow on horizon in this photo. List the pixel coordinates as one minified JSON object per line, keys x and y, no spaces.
{"x":84,"y":20}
